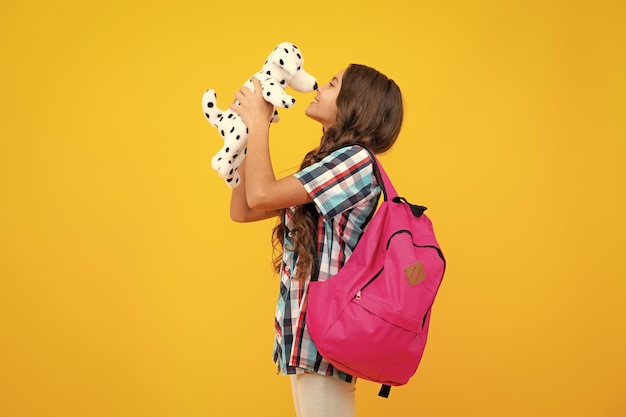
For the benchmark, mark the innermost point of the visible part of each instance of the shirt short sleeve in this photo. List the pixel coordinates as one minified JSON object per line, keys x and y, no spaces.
{"x":343,"y":179}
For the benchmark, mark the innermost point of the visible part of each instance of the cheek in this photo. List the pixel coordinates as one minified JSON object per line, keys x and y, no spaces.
{"x":331,"y":105}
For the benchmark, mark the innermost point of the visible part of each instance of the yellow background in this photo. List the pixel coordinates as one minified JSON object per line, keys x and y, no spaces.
{"x":126,"y":291}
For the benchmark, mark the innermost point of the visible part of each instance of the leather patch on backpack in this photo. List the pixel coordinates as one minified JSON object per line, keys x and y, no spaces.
{"x":415,"y":273}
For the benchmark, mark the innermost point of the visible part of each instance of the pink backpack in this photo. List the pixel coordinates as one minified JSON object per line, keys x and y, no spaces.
{"x":371,"y":319}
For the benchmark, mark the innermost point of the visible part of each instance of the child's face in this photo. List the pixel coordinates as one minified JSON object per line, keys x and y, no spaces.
{"x":324,"y":107}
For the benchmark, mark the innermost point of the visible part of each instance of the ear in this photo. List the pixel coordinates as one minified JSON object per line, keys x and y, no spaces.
{"x":285,"y":57}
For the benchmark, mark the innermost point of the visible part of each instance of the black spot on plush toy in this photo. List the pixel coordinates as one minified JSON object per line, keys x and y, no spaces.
{"x":283,"y":68}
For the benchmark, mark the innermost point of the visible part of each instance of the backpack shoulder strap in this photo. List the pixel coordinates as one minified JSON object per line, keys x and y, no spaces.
{"x":389,"y":192}
{"x":384,"y":391}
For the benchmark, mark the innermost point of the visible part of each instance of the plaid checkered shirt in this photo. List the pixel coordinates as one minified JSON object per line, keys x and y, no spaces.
{"x":345,"y":192}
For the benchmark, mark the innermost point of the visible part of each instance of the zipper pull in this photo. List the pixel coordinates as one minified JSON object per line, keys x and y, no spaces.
{"x":358,"y":295}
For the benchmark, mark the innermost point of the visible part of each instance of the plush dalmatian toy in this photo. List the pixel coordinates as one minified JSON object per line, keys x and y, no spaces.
{"x":283,"y":68}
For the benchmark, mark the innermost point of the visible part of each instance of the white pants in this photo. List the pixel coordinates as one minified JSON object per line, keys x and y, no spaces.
{"x":316,"y":395}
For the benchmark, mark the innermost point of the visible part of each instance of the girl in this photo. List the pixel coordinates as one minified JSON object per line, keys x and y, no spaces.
{"x":322,"y":211}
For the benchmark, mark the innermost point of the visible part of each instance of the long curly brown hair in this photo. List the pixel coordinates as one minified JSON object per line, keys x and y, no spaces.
{"x":370,"y":112}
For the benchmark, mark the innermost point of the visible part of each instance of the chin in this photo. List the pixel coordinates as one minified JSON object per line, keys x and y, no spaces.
{"x":310,"y":113}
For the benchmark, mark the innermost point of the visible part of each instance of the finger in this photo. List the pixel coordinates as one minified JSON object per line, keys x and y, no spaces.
{"x":257,"y":84}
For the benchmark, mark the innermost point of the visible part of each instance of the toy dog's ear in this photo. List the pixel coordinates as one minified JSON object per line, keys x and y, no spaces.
{"x":286,"y":56}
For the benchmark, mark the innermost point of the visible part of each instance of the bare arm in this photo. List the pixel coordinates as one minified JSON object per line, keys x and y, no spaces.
{"x":240,"y":211}
{"x":263,"y":192}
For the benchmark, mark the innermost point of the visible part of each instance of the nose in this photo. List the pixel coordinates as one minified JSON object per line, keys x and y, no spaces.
{"x":315,"y":86}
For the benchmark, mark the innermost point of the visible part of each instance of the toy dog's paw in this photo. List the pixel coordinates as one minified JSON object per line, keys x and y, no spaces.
{"x":233,"y":181}
{"x":226,"y":165}
{"x":227,"y":160}
{"x":222,"y":162}
{"x":275,"y":94}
